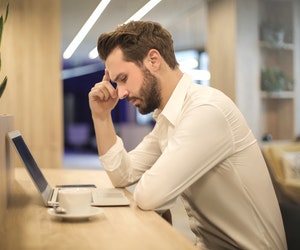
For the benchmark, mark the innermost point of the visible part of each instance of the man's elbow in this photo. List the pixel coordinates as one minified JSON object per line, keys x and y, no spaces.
{"x":144,"y":202}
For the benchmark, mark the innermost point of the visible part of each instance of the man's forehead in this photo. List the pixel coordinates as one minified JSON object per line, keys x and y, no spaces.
{"x":116,"y":55}
{"x":117,"y":66}
{"x":114,"y":63}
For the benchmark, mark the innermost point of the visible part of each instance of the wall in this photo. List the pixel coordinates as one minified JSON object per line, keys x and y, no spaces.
{"x":297,"y":65}
{"x":247,"y":64}
{"x":234,"y":58}
{"x":31,"y":60}
{"x":221,"y":45}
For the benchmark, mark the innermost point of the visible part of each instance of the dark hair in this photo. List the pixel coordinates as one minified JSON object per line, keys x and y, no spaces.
{"x":135,"y":39}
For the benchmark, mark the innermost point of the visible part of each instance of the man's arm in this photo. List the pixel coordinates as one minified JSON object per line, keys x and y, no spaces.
{"x":105,"y":134}
{"x":103,"y":98}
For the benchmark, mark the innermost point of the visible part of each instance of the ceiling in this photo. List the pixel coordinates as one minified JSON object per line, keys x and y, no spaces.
{"x":186,"y":20}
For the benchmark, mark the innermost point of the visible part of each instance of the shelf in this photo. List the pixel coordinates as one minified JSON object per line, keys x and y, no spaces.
{"x":277,"y":95}
{"x":279,"y":62}
{"x":284,"y":46}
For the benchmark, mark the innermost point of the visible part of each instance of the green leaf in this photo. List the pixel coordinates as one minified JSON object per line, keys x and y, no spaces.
{"x":2,"y":86}
{"x":1,"y":28}
{"x":2,"y":21}
{"x":6,"y":14}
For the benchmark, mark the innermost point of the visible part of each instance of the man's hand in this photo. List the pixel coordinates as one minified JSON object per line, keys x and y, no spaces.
{"x":103,"y":97}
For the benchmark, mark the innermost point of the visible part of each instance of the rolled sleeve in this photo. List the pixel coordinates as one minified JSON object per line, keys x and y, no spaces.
{"x":108,"y":160}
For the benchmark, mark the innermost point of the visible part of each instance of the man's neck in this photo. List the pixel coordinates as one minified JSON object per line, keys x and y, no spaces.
{"x":169,"y":82}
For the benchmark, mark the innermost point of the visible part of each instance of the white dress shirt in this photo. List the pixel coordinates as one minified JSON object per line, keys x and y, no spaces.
{"x":202,"y":149}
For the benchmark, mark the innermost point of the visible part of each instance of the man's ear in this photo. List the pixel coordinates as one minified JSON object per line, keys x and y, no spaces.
{"x":153,"y":59}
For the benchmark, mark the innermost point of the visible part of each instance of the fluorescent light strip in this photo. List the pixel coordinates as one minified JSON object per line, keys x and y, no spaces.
{"x":80,"y":71}
{"x":85,"y":29}
{"x":143,"y":11}
{"x":135,"y":17}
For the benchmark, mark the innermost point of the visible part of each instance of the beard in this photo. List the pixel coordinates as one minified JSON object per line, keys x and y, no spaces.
{"x":150,"y":96}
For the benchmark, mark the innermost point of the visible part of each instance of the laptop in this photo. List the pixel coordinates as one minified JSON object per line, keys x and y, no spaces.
{"x":100,"y":196}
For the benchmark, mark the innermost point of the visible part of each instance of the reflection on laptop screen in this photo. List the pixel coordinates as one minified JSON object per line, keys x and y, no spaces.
{"x":30,"y":163}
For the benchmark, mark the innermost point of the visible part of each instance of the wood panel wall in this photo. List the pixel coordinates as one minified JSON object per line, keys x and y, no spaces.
{"x":232,"y":46}
{"x":31,"y":55}
{"x":221,"y":45}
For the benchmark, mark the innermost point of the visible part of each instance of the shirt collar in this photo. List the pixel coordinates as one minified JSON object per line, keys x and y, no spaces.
{"x":175,"y":103}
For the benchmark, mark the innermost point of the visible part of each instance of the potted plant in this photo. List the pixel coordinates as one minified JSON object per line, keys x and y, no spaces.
{"x":275,"y":80}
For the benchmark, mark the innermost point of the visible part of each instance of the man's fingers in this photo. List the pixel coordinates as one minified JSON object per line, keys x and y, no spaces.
{"x":106,"y":81}
{"x":106,"y":76}
{"x":104,"y":90}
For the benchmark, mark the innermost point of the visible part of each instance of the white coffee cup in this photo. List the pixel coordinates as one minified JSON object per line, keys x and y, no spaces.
{"x":76,"y":201}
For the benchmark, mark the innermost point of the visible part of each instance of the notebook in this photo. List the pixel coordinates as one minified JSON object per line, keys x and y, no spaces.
{"x":100,"y":196}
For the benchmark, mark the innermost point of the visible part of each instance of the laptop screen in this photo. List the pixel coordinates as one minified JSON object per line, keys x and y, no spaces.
{"x":30,"y":163}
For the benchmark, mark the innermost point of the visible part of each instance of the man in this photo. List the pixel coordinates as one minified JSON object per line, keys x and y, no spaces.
{"x":200,"y":147}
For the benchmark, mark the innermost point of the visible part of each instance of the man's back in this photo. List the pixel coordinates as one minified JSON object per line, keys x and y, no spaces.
{"x":233,"y":205}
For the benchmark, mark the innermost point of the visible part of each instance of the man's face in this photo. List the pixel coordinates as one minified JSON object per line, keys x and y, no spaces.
{"x":137,"y":84}
{"x":149,"y":94}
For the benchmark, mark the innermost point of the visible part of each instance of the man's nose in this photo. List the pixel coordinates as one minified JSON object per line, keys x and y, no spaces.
{"x":122,"y":92}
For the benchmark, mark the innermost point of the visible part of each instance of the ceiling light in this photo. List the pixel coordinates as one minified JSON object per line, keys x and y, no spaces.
{"x":93,"y":53}
{"x":143,"y":11}
{"x":85,"y":29}
{"x":135,"y":17}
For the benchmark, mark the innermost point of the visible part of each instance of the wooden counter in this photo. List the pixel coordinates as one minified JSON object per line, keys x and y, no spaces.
{"x":29,"y":226}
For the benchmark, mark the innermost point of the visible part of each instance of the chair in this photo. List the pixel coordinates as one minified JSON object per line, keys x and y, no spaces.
{"x":291,"y":221}
{"x":286,"y":190}
{"x":288,"y":193}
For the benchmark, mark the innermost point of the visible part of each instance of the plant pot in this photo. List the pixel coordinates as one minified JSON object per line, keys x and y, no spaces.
{"x":6,"y":171}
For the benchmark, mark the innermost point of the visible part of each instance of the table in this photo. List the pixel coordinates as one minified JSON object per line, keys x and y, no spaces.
{"x":29,"y":226}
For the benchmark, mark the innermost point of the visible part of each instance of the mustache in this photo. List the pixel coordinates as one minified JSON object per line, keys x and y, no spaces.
{"x":130,"y":98}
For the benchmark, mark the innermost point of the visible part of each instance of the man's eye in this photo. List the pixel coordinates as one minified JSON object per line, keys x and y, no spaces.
{"x":124,"y":79}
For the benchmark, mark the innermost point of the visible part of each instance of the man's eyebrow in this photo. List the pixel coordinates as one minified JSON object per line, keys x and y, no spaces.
{"x":117,"y":78}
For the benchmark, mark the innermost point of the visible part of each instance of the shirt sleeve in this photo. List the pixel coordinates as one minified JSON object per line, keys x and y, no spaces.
{"x":126,"y":168}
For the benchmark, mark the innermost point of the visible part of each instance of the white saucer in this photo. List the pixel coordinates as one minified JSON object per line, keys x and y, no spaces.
{"x":93,"y":212}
